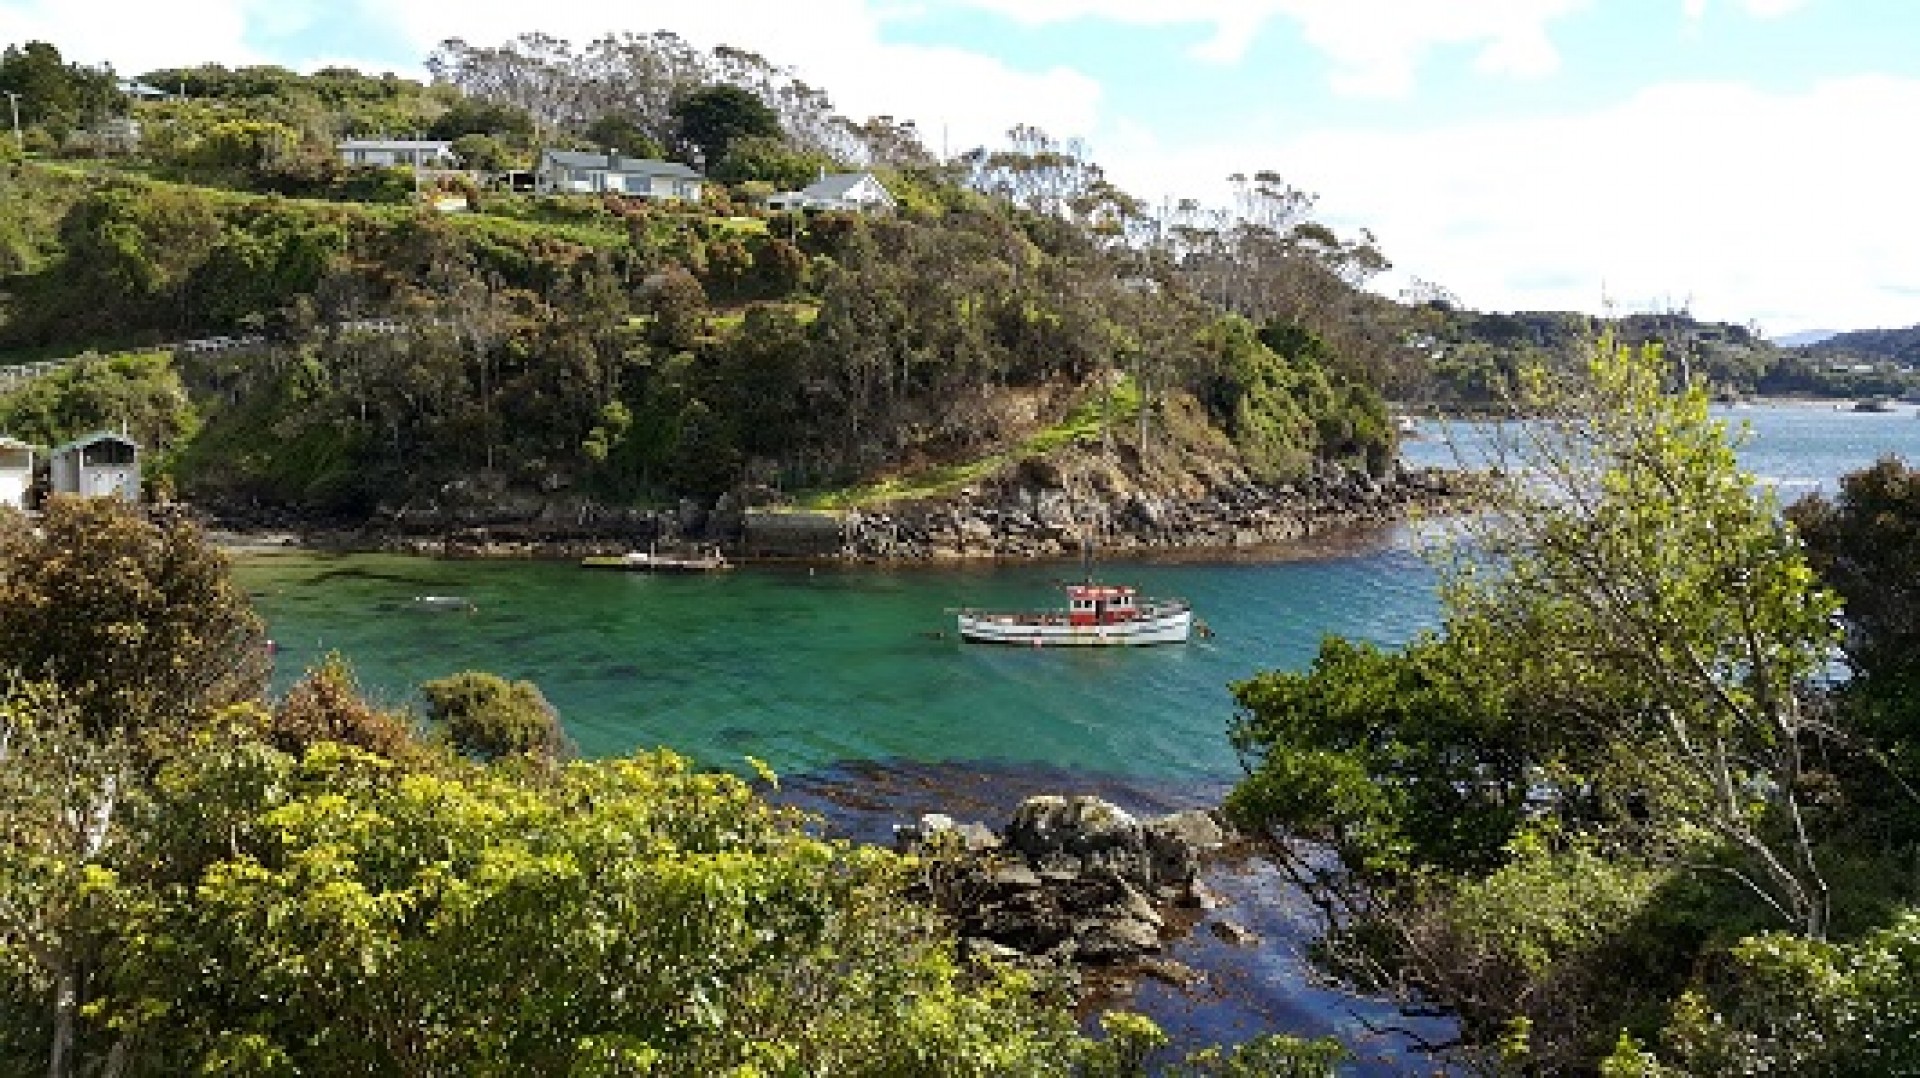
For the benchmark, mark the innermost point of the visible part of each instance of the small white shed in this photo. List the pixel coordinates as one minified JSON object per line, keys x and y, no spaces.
{"x":99,"y":465}
{"x":16,"y":471}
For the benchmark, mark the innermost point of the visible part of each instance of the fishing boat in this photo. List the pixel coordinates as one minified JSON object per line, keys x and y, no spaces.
{"x":646,"y":561}
{"x":1096,"y":615}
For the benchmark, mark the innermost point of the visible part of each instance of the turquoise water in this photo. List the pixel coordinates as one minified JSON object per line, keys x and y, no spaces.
{"x":814,"y":669}
{"x":805,"y":669}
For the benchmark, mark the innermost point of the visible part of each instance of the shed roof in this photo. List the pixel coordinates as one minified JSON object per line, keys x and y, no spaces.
{"x":95,"y":438}
{"x":626,"y":166}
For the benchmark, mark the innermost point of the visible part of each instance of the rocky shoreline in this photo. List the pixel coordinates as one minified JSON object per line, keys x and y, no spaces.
{"x":1076,"y":886}
{"x":1036,"y":513}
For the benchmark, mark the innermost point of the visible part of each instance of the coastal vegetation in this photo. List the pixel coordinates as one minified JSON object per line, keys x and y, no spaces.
{"x":638,"y":351}
{"x":195,"y":879}
{"x":1639,"y":806}
{"x":1618,"y":813}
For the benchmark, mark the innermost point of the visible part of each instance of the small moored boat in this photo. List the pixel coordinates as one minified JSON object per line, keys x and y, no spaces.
{"x":646,"y":561}
{"x":1096,"y":615}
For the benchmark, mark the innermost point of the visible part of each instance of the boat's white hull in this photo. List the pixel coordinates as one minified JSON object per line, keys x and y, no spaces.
{"x":1024,"y":630}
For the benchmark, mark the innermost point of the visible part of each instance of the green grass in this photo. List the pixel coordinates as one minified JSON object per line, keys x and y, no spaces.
{"x":580,"y":232}
{"x":1080,"y":426}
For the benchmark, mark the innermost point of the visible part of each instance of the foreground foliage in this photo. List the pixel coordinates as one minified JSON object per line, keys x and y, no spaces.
{"x":139,"y":625}
{"x":1617,"y":792}
{"x":315,"y":889}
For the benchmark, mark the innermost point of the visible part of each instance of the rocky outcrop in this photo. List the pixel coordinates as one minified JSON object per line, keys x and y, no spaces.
{"x":1071,"y":882}
{"x":1032,"y":519}
{"x":1035,"y":511}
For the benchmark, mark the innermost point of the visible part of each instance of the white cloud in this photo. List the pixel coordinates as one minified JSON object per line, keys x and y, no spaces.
{"x":1376,"y":46}
{"x":133,"y":37}
{"x":1785,"y":208}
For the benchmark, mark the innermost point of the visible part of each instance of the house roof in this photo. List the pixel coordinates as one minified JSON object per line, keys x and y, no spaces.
{"x":835,"y":187}
{"x":626,"y":166}
{"x":396,"y":144}
{"x":14,"y":443}
{"x":96,"y":437}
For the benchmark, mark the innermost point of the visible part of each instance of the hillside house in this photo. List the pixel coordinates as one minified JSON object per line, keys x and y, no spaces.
{"x":16,"y":472}
{"x":571,"y":172}
{"x":100,"y":465}
{"x":854,"y":191}
{"x":392,"y":153}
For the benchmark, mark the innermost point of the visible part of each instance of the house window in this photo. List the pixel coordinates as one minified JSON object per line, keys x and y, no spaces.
{"x":106,"y":453}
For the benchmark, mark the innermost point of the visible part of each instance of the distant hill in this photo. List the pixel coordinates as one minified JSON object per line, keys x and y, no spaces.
{"x":1805,"y":338}
{"x":1898,"y":345}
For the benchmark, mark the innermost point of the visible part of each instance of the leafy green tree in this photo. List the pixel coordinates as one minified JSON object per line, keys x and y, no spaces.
{"x":770,"y":159}
{"x":141,"y":391}
{"x":246,"y":146}
{"x":478,"y":116}
{"x":615,"y":132}
{"x":484,"y":153}
{"x":1865,"y":543}
{"x":1611,"y":746}
{"x":137,"y":622}
{"x":54,"y":94}
{"x":1807,"y":1007}
{"x":1651,"y":599}
{"x":728,"y":264}
{"x":62,"y":809}
{"x":1398,"y":762}
{"x":488,"y":717}
{"x":713,"y":118}
{"x":678,"y":306}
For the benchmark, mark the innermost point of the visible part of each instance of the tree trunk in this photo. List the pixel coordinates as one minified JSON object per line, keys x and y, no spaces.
{"x":65,"y":1002}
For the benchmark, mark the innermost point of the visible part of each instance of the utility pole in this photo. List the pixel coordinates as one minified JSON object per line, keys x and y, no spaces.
{"x":14,"y":100}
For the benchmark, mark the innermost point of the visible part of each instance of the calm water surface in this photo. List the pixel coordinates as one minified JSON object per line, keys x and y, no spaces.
{"x":850,"y":682}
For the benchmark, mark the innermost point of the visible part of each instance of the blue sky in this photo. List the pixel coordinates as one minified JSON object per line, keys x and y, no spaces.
{"x":1747,"y":158}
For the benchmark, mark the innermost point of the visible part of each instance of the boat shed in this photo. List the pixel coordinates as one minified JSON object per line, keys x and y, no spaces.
{"x":100,"y":465}
{"x":16,"y":471}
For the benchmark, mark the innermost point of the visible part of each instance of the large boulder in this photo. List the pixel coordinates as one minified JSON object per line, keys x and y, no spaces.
{"x":1080,"y":833}
{"x":1072,"y":880}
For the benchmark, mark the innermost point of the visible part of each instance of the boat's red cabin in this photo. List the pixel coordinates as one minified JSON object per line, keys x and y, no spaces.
{"x":1100,"y":604}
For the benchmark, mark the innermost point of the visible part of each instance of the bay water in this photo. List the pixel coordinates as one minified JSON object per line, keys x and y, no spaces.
{"x":851,"y":682}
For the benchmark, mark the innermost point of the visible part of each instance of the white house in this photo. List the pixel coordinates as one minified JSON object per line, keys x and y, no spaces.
{"x":99,"y":465}
{"x":571,"y":172}
{"x":389,"y":153}
{"x":841,"y":191}
{"x":16,"y":471}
